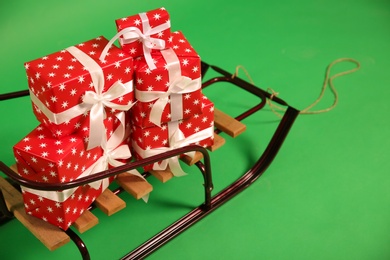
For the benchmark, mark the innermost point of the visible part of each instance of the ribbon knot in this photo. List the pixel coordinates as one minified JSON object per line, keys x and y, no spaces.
{"x":98,"y":102}
{"x":179,"y":85}
{"x":176,"y":140}
{"x":132,"y":34}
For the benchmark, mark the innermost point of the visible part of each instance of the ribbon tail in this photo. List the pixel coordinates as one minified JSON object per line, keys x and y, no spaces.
{"x":97,"y":128}
{"x":157,"y":110}
{"x":148,"y":57}
{"x":145,"y":198}
{"x":174,"y":165}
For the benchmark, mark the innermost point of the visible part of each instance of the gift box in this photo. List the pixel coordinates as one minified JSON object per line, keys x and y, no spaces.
{"x":62,"y":208}
{"x":66,"y":86}
{"x":172,"y":91}
{"x":199,"y":130}
{"x":143,"y":33}
{"x":43,"y":158}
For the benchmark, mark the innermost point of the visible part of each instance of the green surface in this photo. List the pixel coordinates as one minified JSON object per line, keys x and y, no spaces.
{"x":326,"y":195}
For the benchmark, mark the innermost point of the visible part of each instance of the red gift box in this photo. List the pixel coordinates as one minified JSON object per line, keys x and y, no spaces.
{"x":199,"y":130}
{"x":143,"y":33}
{"x":42,"y":157}
{"x":176,"y":81}
{"x":62,"y":208}
{"x":66,"y":86}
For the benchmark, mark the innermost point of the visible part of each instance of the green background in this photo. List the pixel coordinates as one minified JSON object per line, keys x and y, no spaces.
{"x":326,"y":195}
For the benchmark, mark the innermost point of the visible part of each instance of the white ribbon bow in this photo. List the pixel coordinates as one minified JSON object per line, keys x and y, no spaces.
{"x":95,"y":101}
{"x":176,"y":140}
{"x":179,"y":85}
{"x":132,"y":34}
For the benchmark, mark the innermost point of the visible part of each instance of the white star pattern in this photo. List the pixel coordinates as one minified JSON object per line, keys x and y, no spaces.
{"x":187,"y":111}
{"x":157,"y":16}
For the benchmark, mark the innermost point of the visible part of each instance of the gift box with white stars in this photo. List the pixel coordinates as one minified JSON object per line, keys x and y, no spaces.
{"x":144,"y":32}
{"x":198,"y":129}
{"x":44,"y":158}
{"x":62,"y":208}
{"x":172,"y":91}
{"x":65,"y":86}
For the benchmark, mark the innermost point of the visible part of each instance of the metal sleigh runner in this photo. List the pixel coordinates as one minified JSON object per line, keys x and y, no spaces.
{"x":11,"y":201}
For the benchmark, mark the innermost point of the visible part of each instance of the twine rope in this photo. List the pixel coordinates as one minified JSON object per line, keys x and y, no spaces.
{"x":327,"y":81}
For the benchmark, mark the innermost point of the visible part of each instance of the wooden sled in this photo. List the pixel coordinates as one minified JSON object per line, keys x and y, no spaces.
{"x":11,"y":202}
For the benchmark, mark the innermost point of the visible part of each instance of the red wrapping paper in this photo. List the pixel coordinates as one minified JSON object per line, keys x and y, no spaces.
{"x":155,"y":18}
{"x":41,"y":157}
{"x":59,"y":81}
{"x":65,"y":213}
{"x":147,"y":80}
{"x":158,"y":137}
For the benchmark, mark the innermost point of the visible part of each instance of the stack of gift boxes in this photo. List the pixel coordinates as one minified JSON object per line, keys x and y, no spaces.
{"x":97,"y":103}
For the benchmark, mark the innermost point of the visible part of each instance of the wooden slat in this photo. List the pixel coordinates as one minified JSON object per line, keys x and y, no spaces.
{"x":228,"y":124}
{"x":191,"y":161}
{"x":86,"y":221}
{"x":162,"y":175}
{"x":51,"y":236}
{"x":134,"y":185}
{"x":219,"y":141}
{"x":109,"y":203}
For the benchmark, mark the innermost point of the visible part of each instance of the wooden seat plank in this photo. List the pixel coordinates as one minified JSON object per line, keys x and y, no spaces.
{"x":228,"y":124}
{"x":134,"y":185}
{"x":162,"y":175}
{"x":219,"y":141}
{"x":192,"y":160}
{"x":86,"y":221}
{"x":109,"y":203}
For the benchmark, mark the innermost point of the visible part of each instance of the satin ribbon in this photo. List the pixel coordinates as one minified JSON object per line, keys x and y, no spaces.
{"x":176,"y":140}
{"x":132,"y":34}
{"x":112,"y":153}
{"x":94,"y":101}
{"x":178,"y":85}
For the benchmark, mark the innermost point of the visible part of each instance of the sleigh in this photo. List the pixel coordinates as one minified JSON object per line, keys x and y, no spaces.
{"x":11,"y":202}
